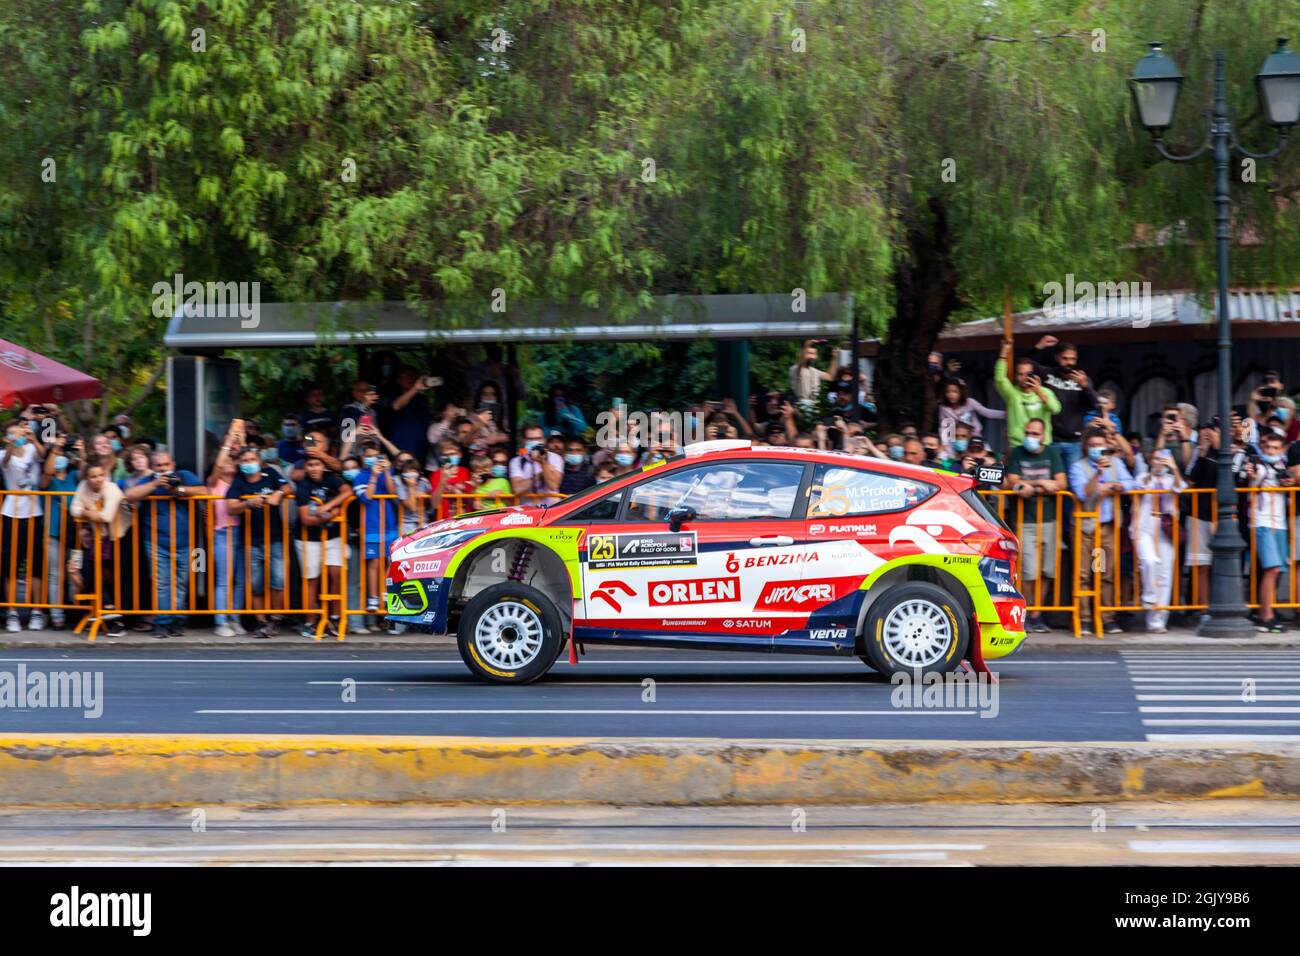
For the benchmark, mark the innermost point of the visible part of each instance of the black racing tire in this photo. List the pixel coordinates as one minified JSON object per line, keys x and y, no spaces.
{"x":916,"y":627}
{"x":509,"y":634}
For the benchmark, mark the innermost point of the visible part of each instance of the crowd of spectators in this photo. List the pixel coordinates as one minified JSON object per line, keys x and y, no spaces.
{"x":390,"y":458}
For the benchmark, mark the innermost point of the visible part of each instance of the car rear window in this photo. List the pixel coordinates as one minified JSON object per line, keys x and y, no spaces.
{"x":839,"y":491}
{"x":976,"y":501}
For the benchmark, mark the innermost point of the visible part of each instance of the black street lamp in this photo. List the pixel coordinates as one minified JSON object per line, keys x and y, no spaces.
{"x":1154,"y":85}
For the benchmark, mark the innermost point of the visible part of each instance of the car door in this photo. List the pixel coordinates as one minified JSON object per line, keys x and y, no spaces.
{"x":705,"y":577}
{"x":856,"y":521}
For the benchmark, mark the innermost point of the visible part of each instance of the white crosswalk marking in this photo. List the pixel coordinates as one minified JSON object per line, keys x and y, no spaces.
{"x":1217,"y":697}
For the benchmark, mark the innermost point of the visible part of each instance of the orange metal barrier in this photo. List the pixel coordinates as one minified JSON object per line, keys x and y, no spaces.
{"x":1081,"y":566}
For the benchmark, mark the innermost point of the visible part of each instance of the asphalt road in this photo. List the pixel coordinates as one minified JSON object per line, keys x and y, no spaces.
{"x":1126,"y":695}
{"x":1221,"y":832}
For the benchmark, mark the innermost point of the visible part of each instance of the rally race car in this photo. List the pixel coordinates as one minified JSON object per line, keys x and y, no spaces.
{"x":727,"y":547}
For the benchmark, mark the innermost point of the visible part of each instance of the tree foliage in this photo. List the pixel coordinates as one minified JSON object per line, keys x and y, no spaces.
{"x":921,"y":154}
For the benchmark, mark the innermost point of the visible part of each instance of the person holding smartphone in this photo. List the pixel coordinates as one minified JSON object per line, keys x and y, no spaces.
{"x":1026,"y":397}
{"x":1098,"y":479}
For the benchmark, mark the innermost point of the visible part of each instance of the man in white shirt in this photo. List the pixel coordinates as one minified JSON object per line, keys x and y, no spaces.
{"x":537,"y":471}
{"x":21,"y":460}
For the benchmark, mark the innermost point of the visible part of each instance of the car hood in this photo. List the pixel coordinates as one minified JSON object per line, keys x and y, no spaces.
{"x":518,"y":517}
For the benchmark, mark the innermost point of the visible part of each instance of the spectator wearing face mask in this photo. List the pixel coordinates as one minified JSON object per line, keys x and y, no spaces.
{"x":413,"y":493}
{"x":1037,"y":474}
{"x":165,"y":527}
{"x":495,"y":480}
{"x":104,"y":455}
{"x":1025,"y":398}
{"x":1175,"y":436}
{"x":1268,"y":519}
{"x":536,"y":471}
{"x":1097,"y":480}
{"x":255,"y":496}
{"x":932,"y":449}
{"x":290,"y":446}
{"x":577,"y":470}
{"x":379,"y":518}
{"x":452,"y":478}
{"x":624,"y":459}
{"x":1152,"y":531}
{"x":952,"y":454}
{"x":320,"y":497}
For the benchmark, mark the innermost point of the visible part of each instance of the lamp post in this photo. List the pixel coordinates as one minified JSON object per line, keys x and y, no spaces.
{"x":1154,"y":85}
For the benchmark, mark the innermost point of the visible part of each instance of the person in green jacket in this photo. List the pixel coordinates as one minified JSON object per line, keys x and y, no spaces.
{"x":1026,"y":397}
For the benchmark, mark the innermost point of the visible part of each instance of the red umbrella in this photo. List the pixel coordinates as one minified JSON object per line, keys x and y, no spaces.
{"x":27,"y":378}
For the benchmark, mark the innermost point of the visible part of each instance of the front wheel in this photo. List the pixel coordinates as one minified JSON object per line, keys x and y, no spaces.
{"x":509,"y":634}
{"x":916,"y":627}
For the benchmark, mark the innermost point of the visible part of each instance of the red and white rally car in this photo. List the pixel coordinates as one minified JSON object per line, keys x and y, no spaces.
{"x":727,"y":547}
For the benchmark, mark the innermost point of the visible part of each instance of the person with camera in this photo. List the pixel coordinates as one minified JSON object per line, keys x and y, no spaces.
{"x":1175,"y":436}
{"x":60,"y":475}
{"x":227,"y":556}
{"x":1097,"y":480}
{"x":407,"y":411}
{"x":1264,"y":470}
{"x":164,"y":527}
{"x":1073,"y":390}
{"x":315,"y":445}
{"x":320,"y":497}
{"x":1026,"y":397}
{"x":806,"y":378}
{"x":21,"y":460}
{"x":1152,"y":529}
{"x":255,"y":496}
{"x":535,"y":472}
{"x":376,"y":489}
{"x":1037,"y":474}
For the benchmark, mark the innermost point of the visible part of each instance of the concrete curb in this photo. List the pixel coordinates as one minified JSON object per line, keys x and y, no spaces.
{"x":55,"y":770}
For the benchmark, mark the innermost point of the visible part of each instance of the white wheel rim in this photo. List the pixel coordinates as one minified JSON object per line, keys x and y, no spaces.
{"x":509,"y":635}
{"x":918,"y":633}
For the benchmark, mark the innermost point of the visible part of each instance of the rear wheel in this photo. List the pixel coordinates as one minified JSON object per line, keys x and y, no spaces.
{"x":509,"y":634}
{"x":916,"y":627}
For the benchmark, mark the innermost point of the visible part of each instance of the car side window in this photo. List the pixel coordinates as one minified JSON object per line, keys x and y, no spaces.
{"x":605,"y":509}
{"x":838,"y":491}
{"x":721,"y":491}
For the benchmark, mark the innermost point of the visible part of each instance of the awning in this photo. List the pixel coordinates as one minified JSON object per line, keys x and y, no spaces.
{"x":29,"y":378}
{"x":310,"y":324}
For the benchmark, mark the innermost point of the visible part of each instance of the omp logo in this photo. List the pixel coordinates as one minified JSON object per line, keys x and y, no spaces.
{"x":426,"y":567}
{"x":829,"y":633}
{"x":796,"y":595}
{"x":697,"y":591}
{"x":517,"y":518}
{"x":610,"y":592}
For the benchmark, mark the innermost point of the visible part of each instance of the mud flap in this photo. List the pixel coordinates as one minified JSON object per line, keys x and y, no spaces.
{"x":975,"y":661}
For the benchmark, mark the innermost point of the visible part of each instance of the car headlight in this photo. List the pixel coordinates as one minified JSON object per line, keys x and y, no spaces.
{"x":441,"y":542}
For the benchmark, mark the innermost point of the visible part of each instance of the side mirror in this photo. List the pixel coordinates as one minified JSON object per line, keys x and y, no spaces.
{"x":679,"y":516}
